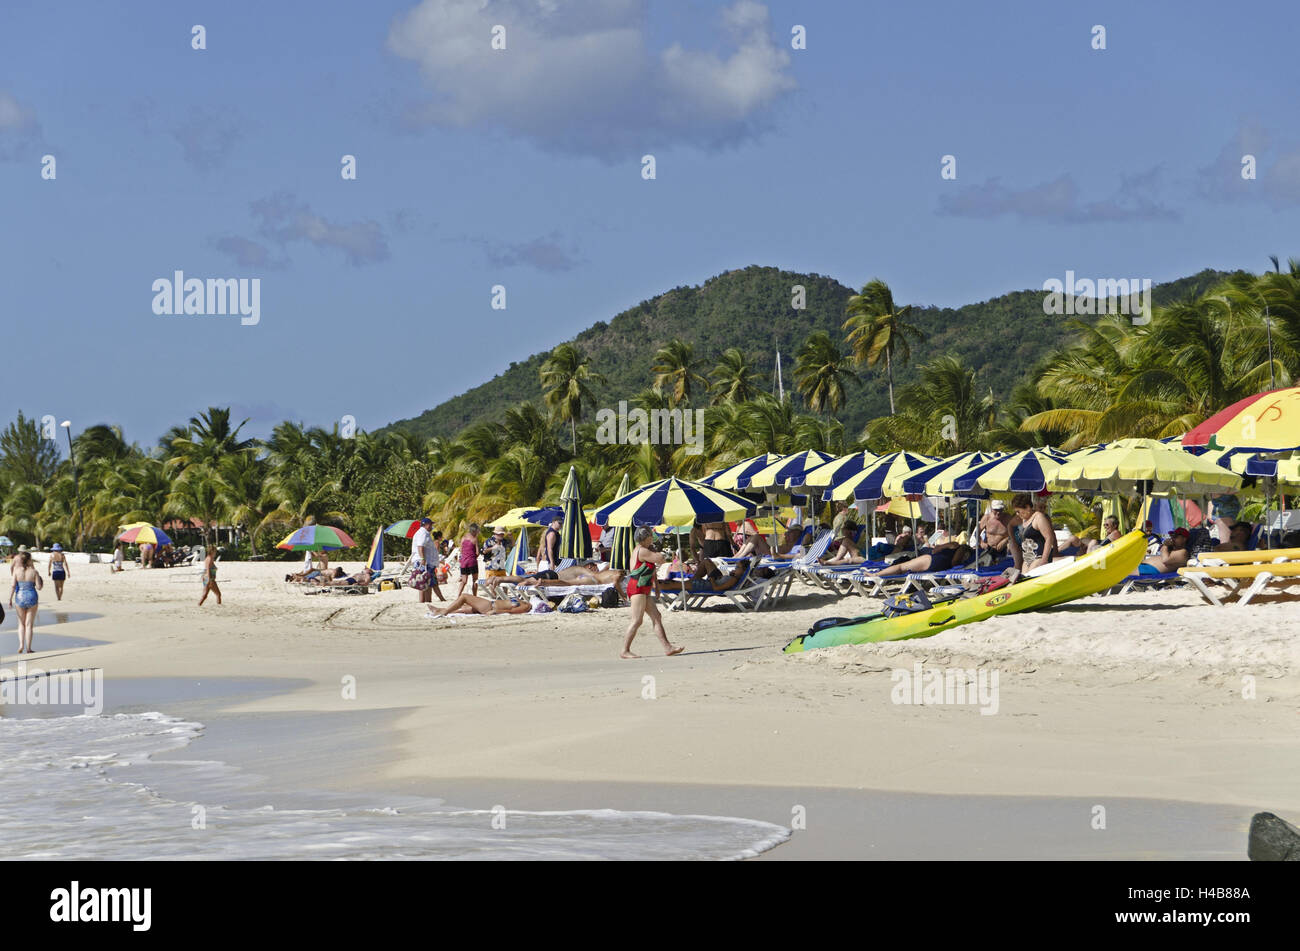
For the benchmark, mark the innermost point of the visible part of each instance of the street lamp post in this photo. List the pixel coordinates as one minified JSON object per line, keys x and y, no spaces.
{"x":76,"y":486}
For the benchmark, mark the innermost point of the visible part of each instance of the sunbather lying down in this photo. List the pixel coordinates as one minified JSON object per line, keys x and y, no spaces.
{"x":340,"y":579}
{"x":565,"y":577}
{"x":940,"y":557}
{"x":473,"y":604}
{"x":707,"y":577}
{"x":1173,"y":555}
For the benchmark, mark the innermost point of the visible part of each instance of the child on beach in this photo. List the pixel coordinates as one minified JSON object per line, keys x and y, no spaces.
{"x":640,"y":583}
{"x":210,"y":576}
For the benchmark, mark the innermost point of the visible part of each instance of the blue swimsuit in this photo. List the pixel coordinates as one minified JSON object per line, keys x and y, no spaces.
{"x":26,"y":597}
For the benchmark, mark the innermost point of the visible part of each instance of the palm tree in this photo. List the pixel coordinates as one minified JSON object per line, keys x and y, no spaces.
{"x":734,"y":378}
{"x":877,"y":327}
{"x":821,"y":370}
{"x":676,"y":371}
{"x":242,"y":493}
{"x":208,"y":438}
{"x":567,"y":380}
{"x":944,"y":411}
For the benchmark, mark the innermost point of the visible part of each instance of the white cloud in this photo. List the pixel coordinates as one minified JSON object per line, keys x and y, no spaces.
{"x":580,"y":76}
{"x":19,"y":130}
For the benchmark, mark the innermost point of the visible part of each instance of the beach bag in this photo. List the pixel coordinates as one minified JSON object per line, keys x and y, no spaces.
{"x":442,"y":572}
{"x":897,"y":605}
{"x":573,"y":604}
{"x":418,"y":578}
{"x":609,"y":598}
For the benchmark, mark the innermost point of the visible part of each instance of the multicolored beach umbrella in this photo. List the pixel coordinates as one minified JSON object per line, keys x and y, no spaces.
{"x":673,"y":501}
{"x":729,"y":478}
{"x":1266,"y":422}
{"x":317,"y":538}
{"x":869,"y":484}
{"x":575,"y":539}
{"x":835,"y":471}
{"x":787,"y":469}
{"x":375,"y":560}
{"x":1030,"y":470}
{"x":620,"y":551}
{"x":142,"y":533}
{"x":519,"y":554}
{"x":1157,"y":466}
{"x":404,"y":528}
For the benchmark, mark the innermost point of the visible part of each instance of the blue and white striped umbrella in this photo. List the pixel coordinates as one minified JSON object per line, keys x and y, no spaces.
{"x":519,"y":554}
{"x":785,"y":470}
{"x":729,"y":478}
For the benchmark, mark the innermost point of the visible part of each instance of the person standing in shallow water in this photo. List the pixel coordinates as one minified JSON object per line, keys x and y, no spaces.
{"x":210,"y":576}
{"x":27,"y":581}
{"x":58,"y":568}
{"x":640,"y":585}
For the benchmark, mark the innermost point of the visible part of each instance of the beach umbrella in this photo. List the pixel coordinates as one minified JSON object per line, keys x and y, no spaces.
{"x":317,"y":538}
{"x":404,"y":528}
{"x":519,"y":554}
{"x":835,"y":471}
{"x":729,"y":478}
{"x":868,"y":484}
{"x":1156,"y":466}
{"x":784,"y":471}
{"x":1266,"y":422}
{"x":673,"y":501}
{"x":5,"y":542}
{"x":375,"y":560}
{"x":620,"y":550}
{"x":575,"y":539}
{"x":929,"y":480}
{"x":142,"y":533}
{"x":1030,"y":470}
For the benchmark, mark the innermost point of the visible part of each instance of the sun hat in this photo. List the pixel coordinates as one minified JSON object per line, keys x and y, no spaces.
{"x":57,"y":547}
{"x":997,"y":505}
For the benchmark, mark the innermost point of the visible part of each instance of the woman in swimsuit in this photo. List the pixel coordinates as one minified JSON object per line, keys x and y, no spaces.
{"x":640,"y":585}
{"x":59,"y":570}
{"x":473,"y":604}
{"x":1037,"y":531}
{"x":210,"y":576}
{"x":27,"y":581}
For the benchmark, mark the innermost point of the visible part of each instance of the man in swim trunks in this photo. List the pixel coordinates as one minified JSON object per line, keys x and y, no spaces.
{"x":712,"y":541}
{"x":1173,"y":555}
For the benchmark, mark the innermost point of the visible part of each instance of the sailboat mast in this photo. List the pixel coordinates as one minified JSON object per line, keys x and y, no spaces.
{"x":780,"y":387}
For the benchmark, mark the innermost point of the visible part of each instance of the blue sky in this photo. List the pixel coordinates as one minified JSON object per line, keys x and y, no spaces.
{"x":522,"y":167}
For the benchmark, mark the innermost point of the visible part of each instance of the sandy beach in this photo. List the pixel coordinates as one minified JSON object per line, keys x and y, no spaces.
{"x":1107,"y":701}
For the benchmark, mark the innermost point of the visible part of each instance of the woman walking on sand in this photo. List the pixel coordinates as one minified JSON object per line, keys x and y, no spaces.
{"x":210,"y":576}
{"x":27,"y":581}
{"x":640,"y":584}
{"x":59,"y":569}
{"x":469,"y":559}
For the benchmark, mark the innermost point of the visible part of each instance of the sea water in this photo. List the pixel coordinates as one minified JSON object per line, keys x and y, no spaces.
{"x":86,"y":787}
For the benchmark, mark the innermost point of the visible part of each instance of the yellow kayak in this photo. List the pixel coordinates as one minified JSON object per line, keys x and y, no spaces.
{"x":1104,"y":568}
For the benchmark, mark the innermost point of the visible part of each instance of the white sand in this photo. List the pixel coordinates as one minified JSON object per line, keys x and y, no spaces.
{"x":1134,"y":696}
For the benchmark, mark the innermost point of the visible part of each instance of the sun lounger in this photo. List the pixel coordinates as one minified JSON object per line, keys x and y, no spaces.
{"x":1271,"y":577}
{"x":1149,"y":581}
{"x":748,"y":594}
{"x":921,"y":580}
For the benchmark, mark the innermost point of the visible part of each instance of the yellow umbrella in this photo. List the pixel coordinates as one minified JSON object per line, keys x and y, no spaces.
{"x":1127,"y":461}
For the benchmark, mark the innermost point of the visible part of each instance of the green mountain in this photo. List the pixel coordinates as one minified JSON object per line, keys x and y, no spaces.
{"x":1002,"y":338}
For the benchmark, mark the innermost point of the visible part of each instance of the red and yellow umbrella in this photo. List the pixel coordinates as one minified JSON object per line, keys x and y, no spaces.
{"x":1266,"y":422}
